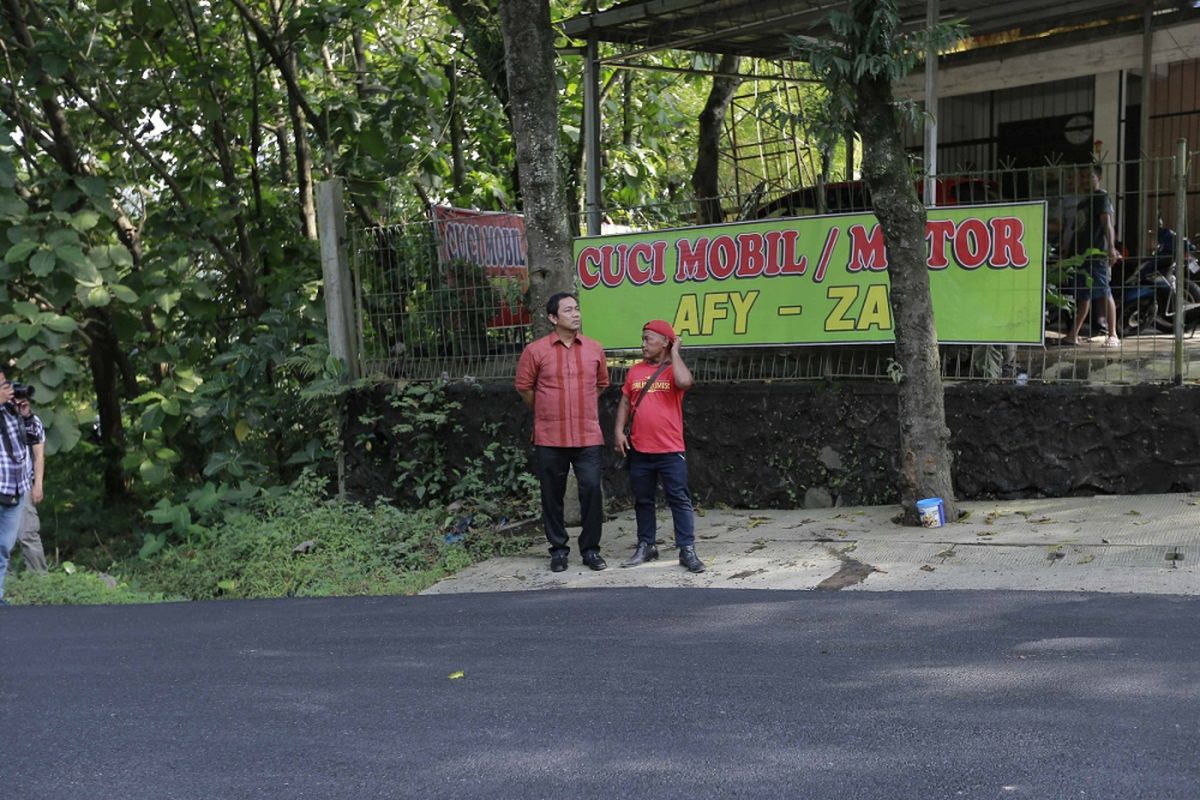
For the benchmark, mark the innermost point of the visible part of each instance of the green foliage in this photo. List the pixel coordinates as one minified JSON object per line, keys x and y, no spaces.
{"x":868,"y":41}
{"x":70,"y":586}
{"x":298,"y":543}
{"x":419,"y":441}
{"x":499,"y":480}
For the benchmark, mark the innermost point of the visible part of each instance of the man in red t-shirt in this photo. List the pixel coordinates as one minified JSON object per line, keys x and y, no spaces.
{"x":560,"y":377}
{"x":654,"y":445}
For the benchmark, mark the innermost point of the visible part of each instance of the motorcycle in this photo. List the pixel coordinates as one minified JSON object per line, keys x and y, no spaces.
{"x":1159,"y":270}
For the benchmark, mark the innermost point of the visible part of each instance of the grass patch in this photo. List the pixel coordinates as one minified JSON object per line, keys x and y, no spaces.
{"x":288,"y":543}
{"x":292,"y":547}
{"x":82,"y":588}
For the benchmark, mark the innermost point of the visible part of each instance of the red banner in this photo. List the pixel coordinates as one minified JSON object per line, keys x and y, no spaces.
{"x":494,"y":241}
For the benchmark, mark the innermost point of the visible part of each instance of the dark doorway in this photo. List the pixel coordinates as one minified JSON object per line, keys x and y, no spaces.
{"x":1030,"y":143}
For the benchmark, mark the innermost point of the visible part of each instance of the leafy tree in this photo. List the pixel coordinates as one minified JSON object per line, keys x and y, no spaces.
{"x":705,"y":176}
{"x":867,"y":52}
{"x":529,"y":58}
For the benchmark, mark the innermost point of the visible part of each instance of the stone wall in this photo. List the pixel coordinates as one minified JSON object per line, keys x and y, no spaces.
{"x":792,"y":445}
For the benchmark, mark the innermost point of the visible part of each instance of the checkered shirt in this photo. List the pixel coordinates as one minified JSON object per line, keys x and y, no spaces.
{"x":17,"y":434}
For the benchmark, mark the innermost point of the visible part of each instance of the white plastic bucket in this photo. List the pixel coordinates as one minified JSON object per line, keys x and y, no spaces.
{"x":932,"y":512}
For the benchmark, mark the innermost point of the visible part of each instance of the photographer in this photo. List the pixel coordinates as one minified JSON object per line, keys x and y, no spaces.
{"x":20,"y":430}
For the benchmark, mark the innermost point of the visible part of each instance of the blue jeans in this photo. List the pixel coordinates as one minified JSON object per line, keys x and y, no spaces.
{"x":10,"y":526}
{"x":645,"y":471}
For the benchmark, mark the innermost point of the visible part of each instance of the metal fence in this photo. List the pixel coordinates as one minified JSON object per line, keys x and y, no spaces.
{"x":421,"y":317}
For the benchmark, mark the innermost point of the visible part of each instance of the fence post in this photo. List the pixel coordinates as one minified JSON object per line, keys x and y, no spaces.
{"x":1181,"y":155}
{"x":339,"y":294}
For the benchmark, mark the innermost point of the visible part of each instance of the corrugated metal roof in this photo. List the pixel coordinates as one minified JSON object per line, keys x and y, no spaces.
{"x":764,"y":28}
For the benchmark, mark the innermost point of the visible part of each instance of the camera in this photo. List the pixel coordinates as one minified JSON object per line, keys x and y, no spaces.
{"x":22,"y":391}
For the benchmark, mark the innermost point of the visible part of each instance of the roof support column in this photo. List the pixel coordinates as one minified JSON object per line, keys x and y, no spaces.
{"x":931,"y":109}
{"x":1147,"y":227}
{"x":591,"y":135}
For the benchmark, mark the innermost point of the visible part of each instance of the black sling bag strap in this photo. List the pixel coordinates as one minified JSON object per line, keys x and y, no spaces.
{"x":8,"y":445}
{"x":645,"y":390}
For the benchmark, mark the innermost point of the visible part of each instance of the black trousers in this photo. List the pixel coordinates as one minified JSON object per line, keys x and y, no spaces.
{"x":553,"y":463}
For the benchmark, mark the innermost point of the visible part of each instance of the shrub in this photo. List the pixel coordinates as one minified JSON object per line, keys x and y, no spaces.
{"x":67,"y":586}
{"x":294,"y":543}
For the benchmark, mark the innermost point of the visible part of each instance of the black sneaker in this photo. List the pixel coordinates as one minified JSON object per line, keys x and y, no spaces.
{"x":558,"y":562}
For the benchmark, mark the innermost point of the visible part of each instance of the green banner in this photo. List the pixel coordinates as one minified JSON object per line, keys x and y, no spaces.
{"x":816,"y":280}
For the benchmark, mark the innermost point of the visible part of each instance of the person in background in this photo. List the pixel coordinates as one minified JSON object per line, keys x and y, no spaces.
{"x":20,"y":429}
{"x":1094,"y":243}
{"x":30,"y":533}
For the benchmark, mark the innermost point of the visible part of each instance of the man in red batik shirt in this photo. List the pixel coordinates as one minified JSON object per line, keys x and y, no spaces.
{"x":560,"y":377}
{"x":654,"y":445}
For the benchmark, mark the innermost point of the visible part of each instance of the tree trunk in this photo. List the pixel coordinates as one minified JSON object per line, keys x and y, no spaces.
{"x":529,"y":62}
{"x":925,"y":460}
{"x":705,"y":176}
{"x":627,"y":107}
{"x":458,"y":169}
{"x":304,"y":178}
{"x":102,"y":347}
{"x":477,"y":18}
{"x":285,"y":161}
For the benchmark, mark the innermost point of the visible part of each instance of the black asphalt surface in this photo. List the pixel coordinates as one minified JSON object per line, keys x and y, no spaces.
{"x":606,"y":694}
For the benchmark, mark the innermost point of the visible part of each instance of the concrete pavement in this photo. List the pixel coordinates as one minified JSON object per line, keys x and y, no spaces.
{"x":1108,"y":543}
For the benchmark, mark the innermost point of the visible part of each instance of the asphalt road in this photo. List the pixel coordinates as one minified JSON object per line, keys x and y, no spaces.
{"x":634,"y":693}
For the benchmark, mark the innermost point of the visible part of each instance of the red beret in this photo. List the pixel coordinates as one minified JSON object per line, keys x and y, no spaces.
{"x":661,"y":327}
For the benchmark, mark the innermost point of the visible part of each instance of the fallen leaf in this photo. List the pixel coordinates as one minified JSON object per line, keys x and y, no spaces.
{"x":926,"y":568}
{"x":456,"y":675}
{"x":1133,"y":513}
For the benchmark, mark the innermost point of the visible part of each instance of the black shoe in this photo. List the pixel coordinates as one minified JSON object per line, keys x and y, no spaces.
{"x":594,"y":561}
{"x":689,"y":559}
{"x":558,"y":562}
{"x":645,"y":552}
